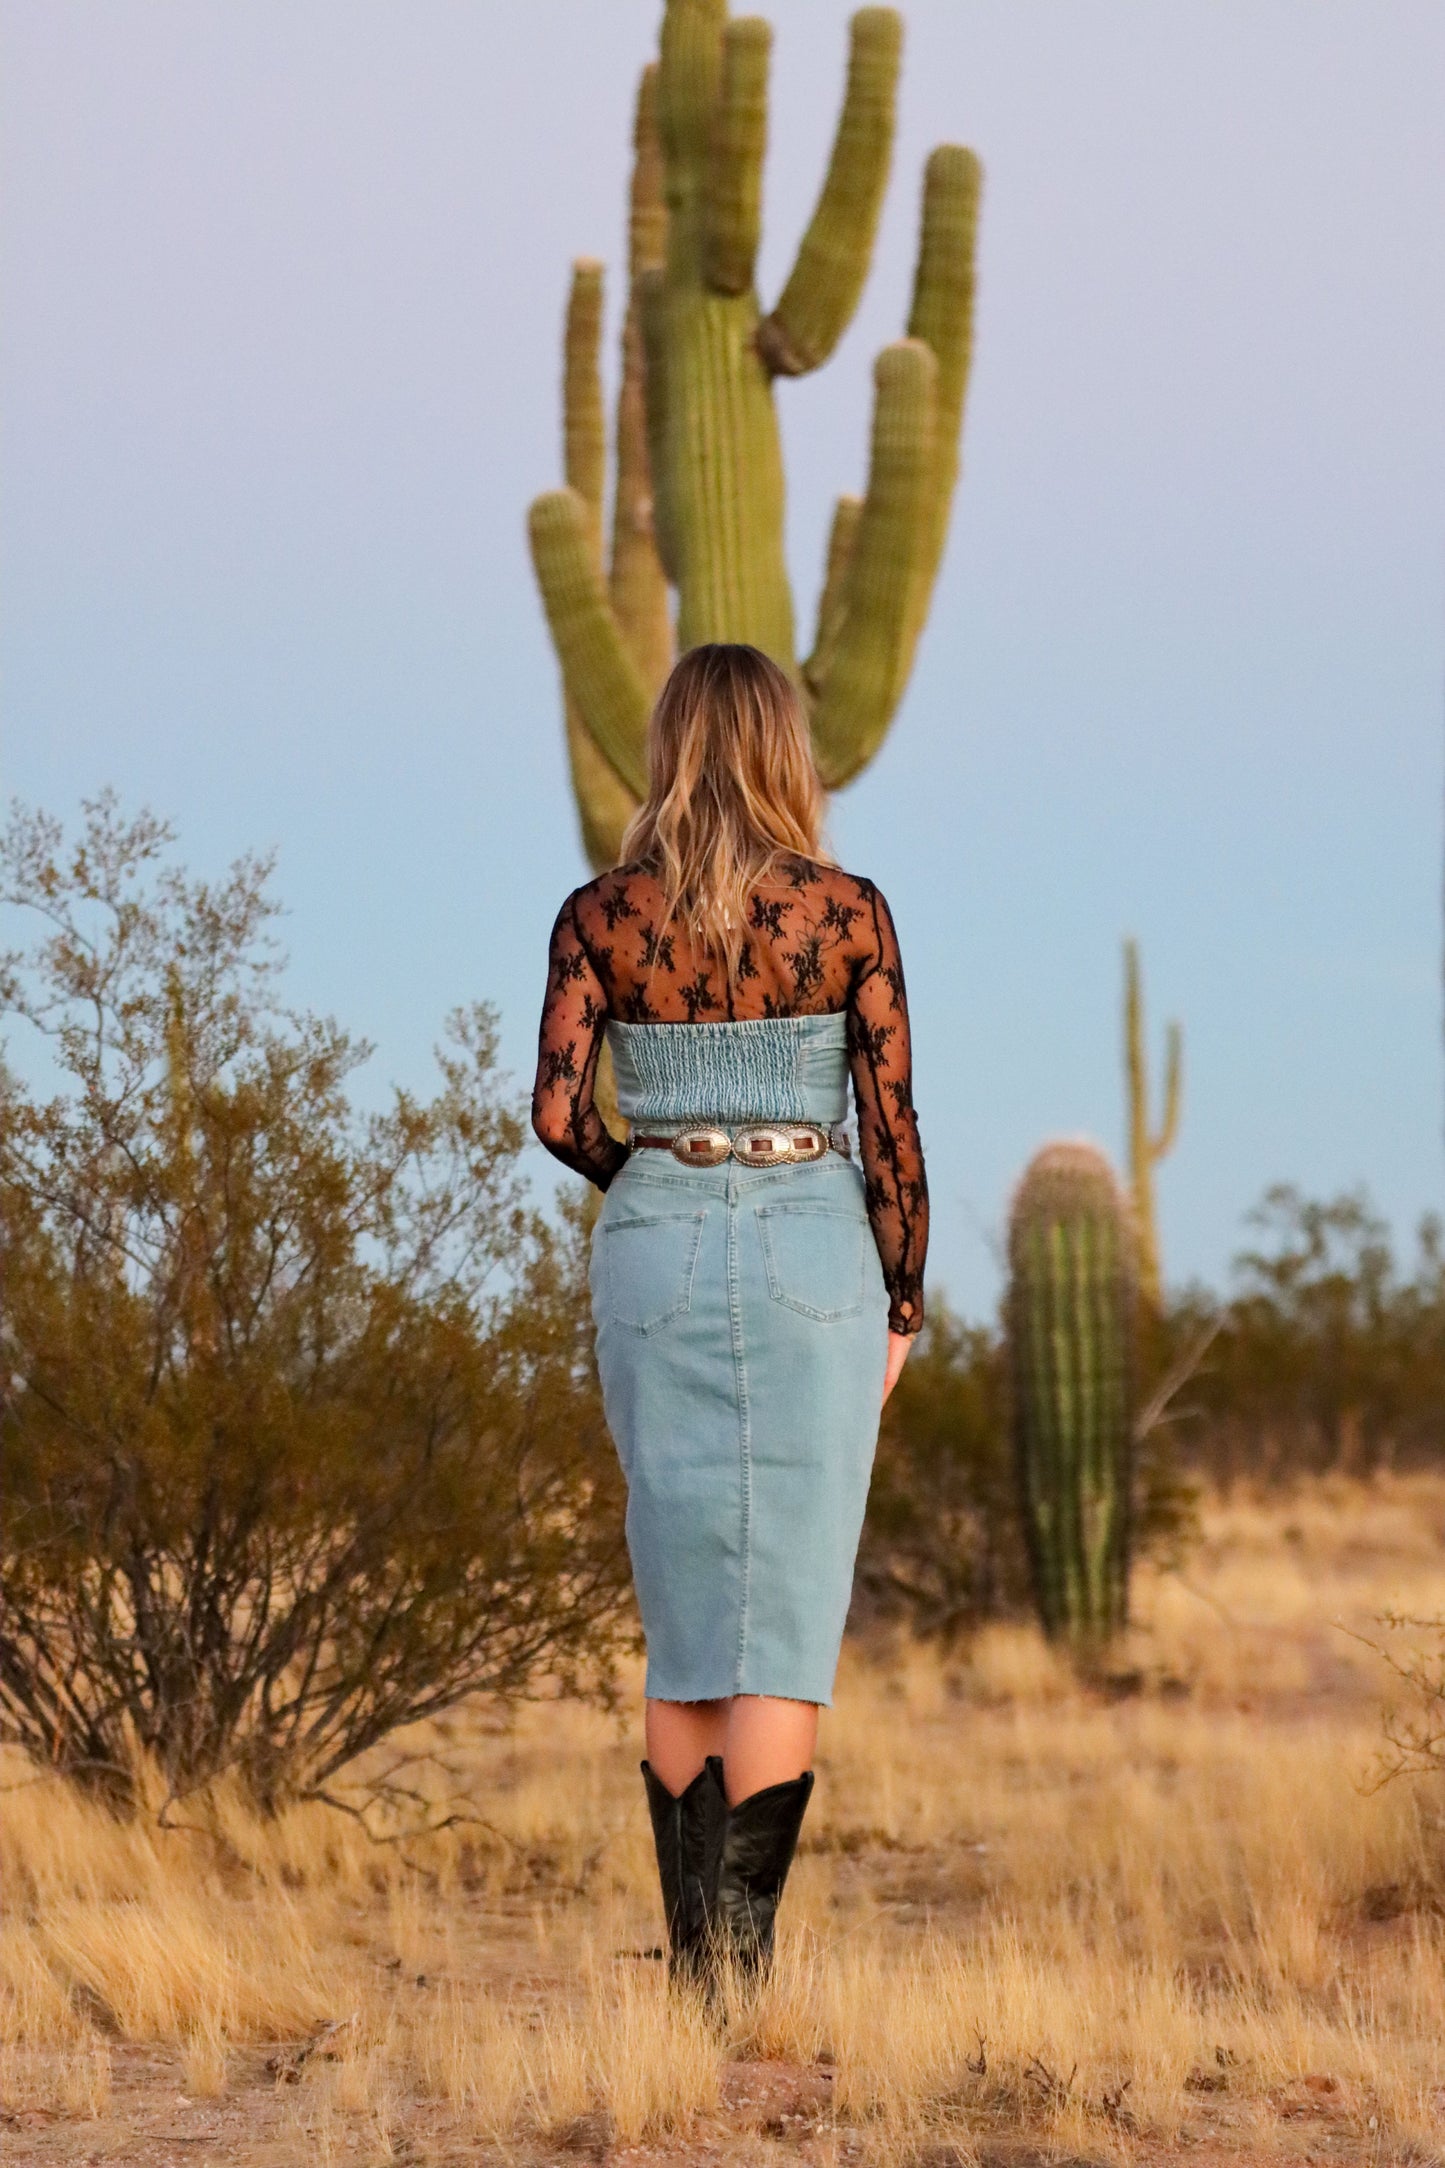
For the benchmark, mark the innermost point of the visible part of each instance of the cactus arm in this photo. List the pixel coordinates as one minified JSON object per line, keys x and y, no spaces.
{"x":604,"y":802}
{"x":1141,"y":1166}
{"x":733,"y":207}
{"x":1135,"y":1078}
{"x":1146,"y":1147}
{"x":942,"y":315}
{"x":652,"y":319}
{"x":637,"y":583}
{"x":605,"y":805}
{"x":941,"y":319}
{"x":854,"y":702}
{"x":688,"y":85}
{"x":1163,"y":1139}
{"x":817,"y":303}
{"x":842,"y":539}
{"x":584,"y":432}
{"x":598,"y":673}
{"x":646,"y":209}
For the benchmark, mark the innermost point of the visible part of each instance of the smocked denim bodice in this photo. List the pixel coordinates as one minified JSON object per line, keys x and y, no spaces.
{"x":770,"y":1068}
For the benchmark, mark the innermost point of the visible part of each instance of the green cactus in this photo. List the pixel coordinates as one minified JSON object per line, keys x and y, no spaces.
{"x":698,"y":500}
{"x":1148,"y":1146}
{"x":1071,"y":1312}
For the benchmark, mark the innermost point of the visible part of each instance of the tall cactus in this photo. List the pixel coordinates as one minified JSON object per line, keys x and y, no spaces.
{"x":698,"y":500}
{"x":1147,"y":1147}
{"x":1071,"y":1312}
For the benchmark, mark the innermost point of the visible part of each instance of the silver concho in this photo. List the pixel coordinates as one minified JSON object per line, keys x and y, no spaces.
{"x":701,"y":1147}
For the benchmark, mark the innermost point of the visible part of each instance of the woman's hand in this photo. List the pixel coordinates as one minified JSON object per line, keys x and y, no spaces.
{"x":898,"y":1345}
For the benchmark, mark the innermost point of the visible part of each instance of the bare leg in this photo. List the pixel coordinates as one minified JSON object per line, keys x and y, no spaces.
{"x":681,"y":1735}
{"x":763,"y":1740}
{"x":769,"y":1741}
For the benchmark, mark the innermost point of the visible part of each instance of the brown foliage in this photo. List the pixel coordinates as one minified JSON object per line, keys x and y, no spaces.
{"x":942,"y":1545}
{"x":301,"y":1439}
{"x":1328,"y":1356}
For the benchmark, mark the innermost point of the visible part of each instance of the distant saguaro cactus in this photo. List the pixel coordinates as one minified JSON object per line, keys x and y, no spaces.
{"x":1071,"y":1325}
{"x":698,"y":501}
{"x":1147,"y":1147}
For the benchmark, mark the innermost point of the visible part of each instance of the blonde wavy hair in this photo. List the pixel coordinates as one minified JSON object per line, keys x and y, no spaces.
{"x":731,"y":787}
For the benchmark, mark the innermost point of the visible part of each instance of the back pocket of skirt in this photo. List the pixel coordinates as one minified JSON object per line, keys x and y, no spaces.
{"x":647,"y":1268}
{"x":814,"y":1257}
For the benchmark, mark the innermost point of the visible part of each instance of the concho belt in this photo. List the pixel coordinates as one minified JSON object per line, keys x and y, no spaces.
{"x":774,"y":1144}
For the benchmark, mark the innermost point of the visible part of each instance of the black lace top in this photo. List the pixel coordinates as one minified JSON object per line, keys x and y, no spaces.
{"x":818,"y":941}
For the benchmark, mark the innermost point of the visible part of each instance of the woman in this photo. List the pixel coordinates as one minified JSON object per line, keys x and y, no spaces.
{"x":754,"y":1292}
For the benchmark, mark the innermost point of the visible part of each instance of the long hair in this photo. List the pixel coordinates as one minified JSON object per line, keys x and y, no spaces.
{"x":731,"y":786}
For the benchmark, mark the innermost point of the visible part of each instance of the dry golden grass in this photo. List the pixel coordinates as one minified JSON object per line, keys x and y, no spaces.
{"x":1161,"y":1914}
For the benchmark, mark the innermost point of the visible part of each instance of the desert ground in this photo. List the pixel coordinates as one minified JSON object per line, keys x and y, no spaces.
{"x":1167,"y":1915}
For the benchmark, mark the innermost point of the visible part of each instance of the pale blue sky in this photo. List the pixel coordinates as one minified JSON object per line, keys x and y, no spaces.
{"x":283,"y":295}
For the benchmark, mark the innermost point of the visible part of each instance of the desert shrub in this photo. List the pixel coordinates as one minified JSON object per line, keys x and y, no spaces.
{"x":301,"y":1439}
{"x":1328,"y":1356}
{"x":942,"y":1545}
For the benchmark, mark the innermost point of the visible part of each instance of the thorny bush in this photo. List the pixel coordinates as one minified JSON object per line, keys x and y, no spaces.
{"x":300,"y":1438}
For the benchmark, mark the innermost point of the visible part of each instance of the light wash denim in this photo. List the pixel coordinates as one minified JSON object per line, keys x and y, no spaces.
{"x":742,"y":1337}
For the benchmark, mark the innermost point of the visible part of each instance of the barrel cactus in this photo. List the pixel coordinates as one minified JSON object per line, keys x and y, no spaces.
{"x":697,"y":512}
{"x":1071,"y":1309}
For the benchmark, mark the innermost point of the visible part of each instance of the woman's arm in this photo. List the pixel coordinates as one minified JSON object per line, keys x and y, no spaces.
{"x":880,"y":1057}
{"x":569,"y":1042}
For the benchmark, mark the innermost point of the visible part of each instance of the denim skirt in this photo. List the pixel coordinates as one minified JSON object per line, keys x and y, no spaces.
{"x":742,"y":1341}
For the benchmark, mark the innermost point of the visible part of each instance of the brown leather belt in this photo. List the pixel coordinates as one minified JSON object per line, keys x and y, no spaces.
{"x":755,"y":1144}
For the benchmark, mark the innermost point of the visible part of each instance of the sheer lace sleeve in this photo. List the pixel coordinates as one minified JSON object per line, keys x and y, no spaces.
{"x":881,"y":1059}
{"x":570,"y":1040}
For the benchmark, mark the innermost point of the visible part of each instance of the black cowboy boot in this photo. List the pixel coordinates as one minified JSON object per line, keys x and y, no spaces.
{"x":685,"y":1831}
{"x":759,"y":1837}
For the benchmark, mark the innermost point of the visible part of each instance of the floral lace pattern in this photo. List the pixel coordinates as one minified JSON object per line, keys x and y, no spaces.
{"x":818,"y":941}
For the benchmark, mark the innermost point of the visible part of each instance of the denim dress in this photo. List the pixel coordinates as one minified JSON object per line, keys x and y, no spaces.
{"x":742,"y":1340}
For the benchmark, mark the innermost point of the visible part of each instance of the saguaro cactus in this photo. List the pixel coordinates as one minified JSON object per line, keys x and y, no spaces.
{"x":698,"y":502}
{"x":1071,"y":1312}
{"x":1148,"y":1146}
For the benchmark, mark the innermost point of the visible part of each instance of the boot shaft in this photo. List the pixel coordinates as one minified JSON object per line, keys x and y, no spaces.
{"x":686,"y":1831}
{"x":757,"y":1841}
